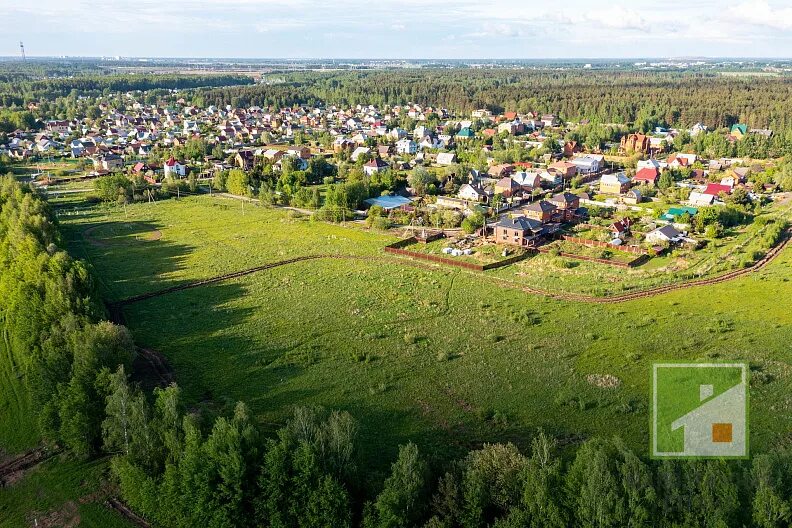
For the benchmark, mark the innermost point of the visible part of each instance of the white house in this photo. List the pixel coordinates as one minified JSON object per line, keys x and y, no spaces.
{"x":527,"y":180}
{"x":588,"y":164}
{"x":374,"y":165}
{"x":667,"y":233}
{"x":697,"y":129}
{"x":473,"y":193}
{"x":406,"y":146}
{"x":700,"y":199}
{"x":174,"y":168}
{"x":651,"y":164}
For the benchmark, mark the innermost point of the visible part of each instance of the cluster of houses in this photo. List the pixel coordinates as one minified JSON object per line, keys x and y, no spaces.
{"x":703,"y":192}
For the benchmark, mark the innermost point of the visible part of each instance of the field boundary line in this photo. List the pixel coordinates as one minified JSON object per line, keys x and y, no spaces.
{"x":115,"y":307}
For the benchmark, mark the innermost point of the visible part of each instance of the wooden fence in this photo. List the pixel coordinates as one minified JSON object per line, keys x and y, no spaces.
{"x":397,"y":249}
{"x":637,"y":250}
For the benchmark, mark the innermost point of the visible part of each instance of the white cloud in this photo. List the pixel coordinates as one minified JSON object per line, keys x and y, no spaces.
{"x":618,"y":17}
{"x":761,"y":13}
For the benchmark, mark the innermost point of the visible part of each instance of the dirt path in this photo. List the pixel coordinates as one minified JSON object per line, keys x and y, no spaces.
{"x":12,"y":470}
{"x":115,"y":308}
{"x":119,"y":506}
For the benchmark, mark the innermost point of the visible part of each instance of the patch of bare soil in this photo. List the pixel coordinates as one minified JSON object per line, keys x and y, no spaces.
{"x":153,"y":235}
{"x":603,"y":381}
{"x":67,"y":516}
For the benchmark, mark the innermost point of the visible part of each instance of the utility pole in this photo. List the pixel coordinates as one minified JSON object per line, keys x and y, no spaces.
{"x":22,"y":49}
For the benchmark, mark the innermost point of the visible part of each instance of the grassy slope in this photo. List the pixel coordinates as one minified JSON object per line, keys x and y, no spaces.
{"x":418,"y":354}
{"x":18,"y":432}
{"x":59,"y":490}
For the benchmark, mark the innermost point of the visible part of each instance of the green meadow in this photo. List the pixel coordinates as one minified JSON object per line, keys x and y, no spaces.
{"x":447,"y":358}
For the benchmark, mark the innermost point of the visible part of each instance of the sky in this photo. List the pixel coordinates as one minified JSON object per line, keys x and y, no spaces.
{"x":432,"y":29}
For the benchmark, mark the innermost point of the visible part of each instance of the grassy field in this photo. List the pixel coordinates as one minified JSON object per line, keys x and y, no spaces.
{"x":17,"y":434}
{"x":482,"y":254}
{"x":153,"y":246}
{"x":446,"y":358}
{"x":60,"y":493}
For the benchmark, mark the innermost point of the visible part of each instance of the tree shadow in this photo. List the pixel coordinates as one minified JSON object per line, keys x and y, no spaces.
{"x":128,"y":257}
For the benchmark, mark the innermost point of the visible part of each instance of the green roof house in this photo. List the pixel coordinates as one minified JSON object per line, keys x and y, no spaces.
{"x":739,"y":130}
{"x":675,"y":212}
{"x":465,"y":133}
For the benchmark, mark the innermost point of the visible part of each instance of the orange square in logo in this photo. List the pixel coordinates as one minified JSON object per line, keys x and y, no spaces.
{"x":722,"y":432}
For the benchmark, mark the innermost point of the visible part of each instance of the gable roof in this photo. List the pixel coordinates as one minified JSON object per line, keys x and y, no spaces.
{"x":717,"y":188}
{"x":646,"y":174}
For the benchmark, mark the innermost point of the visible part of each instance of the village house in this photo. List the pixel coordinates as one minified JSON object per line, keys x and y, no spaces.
{"x":245,"y":159}
{"x":646,"y":176}
{"x":667,"y":234}
{"x":588,"y":164}
{"x":550,"y":120}
{"x":571,"y":148}
{"x":738,"y":131}
{"x":634,"y":143}
{"x":406,"y":146}
{"x":501,"y":170}
{"x":374,"y":166}
{"x":541,"y":211}
{"x":614,"y":183}
{"x":632,"y":197}
{"x":109,"y":162}
{"x":473,"y":192}
{"x":359,"y":151}
{"x":520,"y":231}
{"x":621,"y":228}
{"x":174,"y":169}
{"x":528,"y":181}
{"x":567,"y":203}
{"x":299,"y":152}
{"x":566,"y":169}
{"x":506,"y":187}
{"x":272,"y":154}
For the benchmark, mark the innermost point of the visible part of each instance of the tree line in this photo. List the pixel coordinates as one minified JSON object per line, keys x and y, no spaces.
{"x":601,"y":96}
{"x":188,"y":466}
{"x":52,"y":321}
{"x":177,"y":469}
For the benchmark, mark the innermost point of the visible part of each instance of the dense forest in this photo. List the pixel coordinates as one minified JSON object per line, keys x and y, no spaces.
{"x":210,"y":466}
{"x":16,"y":90}
{"x":601,"y":96}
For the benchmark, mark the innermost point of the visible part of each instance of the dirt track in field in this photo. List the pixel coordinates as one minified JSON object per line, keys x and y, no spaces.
{"x":115,"y":308}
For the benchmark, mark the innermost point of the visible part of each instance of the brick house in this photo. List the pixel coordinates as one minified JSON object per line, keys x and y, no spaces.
{"x":520,"y":231}
{"x":567,"y":204}
{"x":635,"y":143}
{"x":541,"y":211}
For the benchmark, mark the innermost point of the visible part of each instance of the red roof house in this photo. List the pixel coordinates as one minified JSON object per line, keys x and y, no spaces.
{"x":716,"y":188}
{"x":647,"y":175}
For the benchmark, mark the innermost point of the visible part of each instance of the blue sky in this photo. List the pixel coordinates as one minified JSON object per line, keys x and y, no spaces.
{"x":398,"y":29}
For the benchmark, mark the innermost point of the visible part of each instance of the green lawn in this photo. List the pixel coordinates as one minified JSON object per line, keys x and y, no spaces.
{"x":60,"y":493}
{"x":444,"y":357}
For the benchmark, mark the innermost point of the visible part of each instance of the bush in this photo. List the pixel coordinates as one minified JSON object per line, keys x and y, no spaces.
{"x":379,"y":223}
